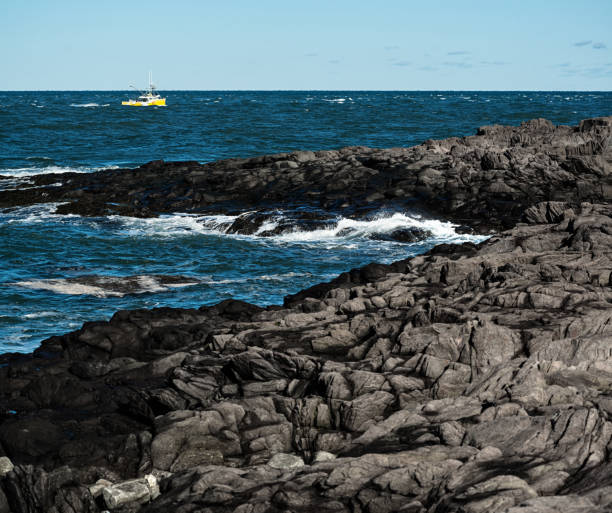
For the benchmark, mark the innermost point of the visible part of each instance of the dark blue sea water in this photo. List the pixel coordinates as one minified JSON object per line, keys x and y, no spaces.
{"x":58,"y":271}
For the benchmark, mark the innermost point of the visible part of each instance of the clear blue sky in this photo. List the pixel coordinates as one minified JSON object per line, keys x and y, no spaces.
{"x":308,"y":44}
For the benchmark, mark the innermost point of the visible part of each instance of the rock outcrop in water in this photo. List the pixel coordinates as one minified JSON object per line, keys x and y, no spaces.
{"x":469,"y":379}
{"x":485,"y":181}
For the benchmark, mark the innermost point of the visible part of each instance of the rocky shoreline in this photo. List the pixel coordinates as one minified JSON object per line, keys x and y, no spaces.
{"x":484,"y":181}
{"x":474,"y":378}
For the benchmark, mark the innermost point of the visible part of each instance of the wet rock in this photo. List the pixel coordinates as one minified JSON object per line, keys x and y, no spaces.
{"x":407,"y":235}
{"x":248,"y":224}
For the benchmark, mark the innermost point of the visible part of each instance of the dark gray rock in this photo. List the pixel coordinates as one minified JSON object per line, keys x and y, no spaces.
{"x":471,"y":378}
{"x":407,"y":235}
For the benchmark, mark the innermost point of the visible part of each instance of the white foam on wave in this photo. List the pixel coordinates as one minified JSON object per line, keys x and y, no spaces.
{"x":343,"y":230}
{"x":213,"y":281}
{"x":281,"y":277}
{"x":268,"y":225}
{"x":357,"y":229}
{"x":62,"y":286}
{"x":89,"y":105}
{"x":34,"y":214}
{"x":19,"y":172}
{"x":174,"y":225}
{"x":38,"y":315}
{"x":12,"y":183}
{"x":105,"y":286}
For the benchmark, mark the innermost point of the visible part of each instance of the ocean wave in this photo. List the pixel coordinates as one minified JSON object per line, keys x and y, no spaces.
{"x":33,"y":214}
{"x":42,"y":159}
{"x":174,"y":225}
{"x":340,"y":230}
{"x":19,"y":172}
{"x":280,"y":277}
{"x":39,"y":315}
{"x":109,"y":286}
{"x":382,"y":224}
{"x":89,"y":105}
{"x":12,"y":183}
{"x":280,"y":227}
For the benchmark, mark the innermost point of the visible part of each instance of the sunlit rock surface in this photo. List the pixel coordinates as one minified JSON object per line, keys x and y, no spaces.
{"x":468,"y":379}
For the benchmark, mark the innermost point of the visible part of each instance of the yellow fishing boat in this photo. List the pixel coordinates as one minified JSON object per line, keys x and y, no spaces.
{"x":147,"y":98}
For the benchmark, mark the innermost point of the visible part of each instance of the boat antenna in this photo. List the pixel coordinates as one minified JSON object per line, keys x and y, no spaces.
{"x":140,"y":91}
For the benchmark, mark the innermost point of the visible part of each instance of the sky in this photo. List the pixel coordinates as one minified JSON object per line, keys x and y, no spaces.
{"x":306,"y":45}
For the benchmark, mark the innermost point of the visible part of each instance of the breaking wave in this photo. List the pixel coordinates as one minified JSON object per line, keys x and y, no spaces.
{"x":356,"y":229}
{"x":174,"y":225}
{"x":34,"y":214}
{"x":89,"y":105}
{"x":280,"y":227}
{"x":334,"y":230}
{"x":22,"y":172}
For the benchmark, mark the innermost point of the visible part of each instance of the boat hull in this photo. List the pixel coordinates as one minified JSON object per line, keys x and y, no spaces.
{"x":160,"y":102}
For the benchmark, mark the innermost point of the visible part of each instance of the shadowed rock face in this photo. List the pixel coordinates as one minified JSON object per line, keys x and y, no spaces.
{"x":485,"y":181}
{"x":468,"y":379}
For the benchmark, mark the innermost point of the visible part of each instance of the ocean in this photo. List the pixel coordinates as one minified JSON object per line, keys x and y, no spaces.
{"x":58,"y":271}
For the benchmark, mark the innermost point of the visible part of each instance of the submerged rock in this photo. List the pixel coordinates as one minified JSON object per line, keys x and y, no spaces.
{"x":407,"y":235}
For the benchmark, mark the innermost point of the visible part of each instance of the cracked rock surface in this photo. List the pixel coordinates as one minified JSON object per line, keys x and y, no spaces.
{"x":468,"y":379}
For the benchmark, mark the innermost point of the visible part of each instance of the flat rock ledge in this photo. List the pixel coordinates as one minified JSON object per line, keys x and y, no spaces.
{"x":473,"y":378}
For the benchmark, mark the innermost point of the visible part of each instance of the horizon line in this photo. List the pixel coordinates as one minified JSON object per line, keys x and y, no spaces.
{"x":320,"y":90}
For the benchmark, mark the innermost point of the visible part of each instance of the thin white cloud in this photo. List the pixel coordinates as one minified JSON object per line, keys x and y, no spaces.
{"x":457,"y":64}
{"x":601,"y":71}
{"x":493,"y":63}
